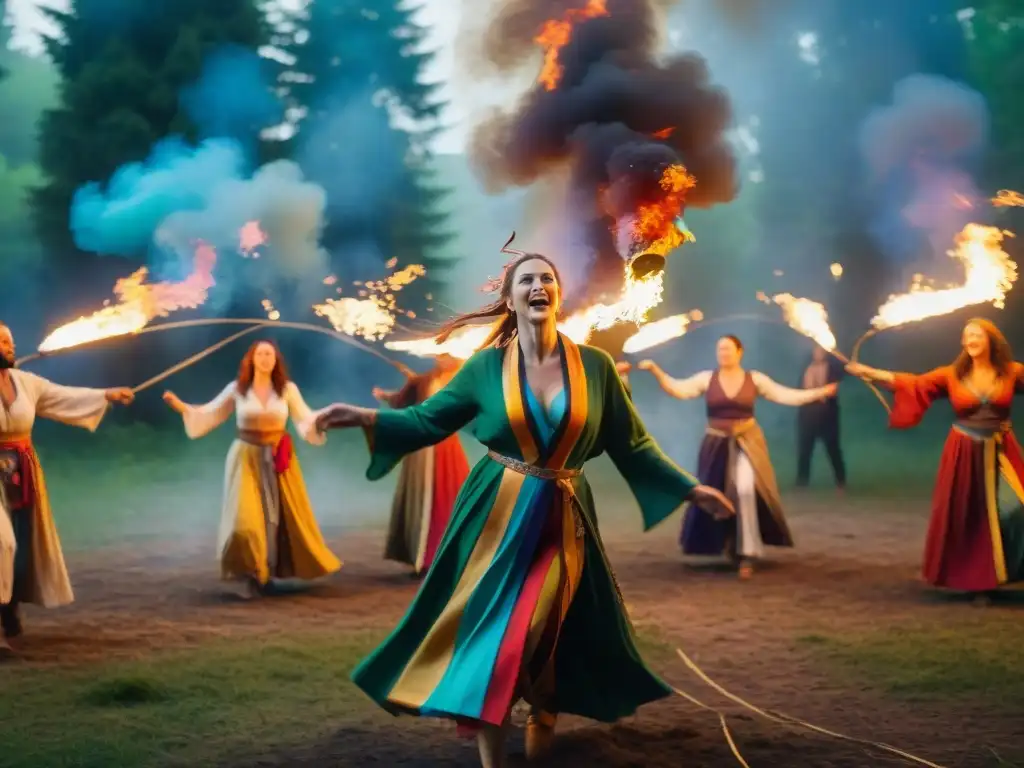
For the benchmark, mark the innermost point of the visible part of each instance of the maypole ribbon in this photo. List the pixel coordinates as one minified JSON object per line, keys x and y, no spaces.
{"x":784,"y":719}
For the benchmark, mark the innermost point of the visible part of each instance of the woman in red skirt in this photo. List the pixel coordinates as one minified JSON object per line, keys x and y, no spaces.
{"x":429,"y":480}
{"x":975,"y":537}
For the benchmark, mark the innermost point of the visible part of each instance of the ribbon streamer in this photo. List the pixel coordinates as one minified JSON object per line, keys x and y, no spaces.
{"x":783,"y":719}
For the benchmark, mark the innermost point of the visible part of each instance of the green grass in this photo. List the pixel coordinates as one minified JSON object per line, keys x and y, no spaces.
{"x":218,"y":702}
{"x":198,"y":707}
{"x":979,"y":660}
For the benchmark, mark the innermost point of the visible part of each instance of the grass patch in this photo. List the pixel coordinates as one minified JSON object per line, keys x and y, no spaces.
{"x":200,"y":707}
{"x":213,"y":704}
{"x":919,"y":662}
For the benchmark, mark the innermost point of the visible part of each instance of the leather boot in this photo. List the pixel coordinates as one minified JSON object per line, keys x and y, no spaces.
{"x":540,"y":733}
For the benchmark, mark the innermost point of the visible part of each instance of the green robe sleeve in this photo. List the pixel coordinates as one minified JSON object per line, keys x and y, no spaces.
{"x":401,"y":431}
{"x":659,"y":486}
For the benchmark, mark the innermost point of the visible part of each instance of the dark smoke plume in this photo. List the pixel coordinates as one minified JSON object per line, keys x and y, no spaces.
{"x":618,"y":117}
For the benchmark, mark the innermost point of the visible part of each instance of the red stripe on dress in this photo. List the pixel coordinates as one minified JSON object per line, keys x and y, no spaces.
{"x":510,"y":655}
{"x":450,"y":471}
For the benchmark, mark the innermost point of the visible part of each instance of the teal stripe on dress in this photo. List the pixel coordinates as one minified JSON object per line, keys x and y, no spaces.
{"x":462,"y":689}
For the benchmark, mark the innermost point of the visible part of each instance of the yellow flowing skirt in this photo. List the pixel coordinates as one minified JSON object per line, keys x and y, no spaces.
{"x":267,"y":524}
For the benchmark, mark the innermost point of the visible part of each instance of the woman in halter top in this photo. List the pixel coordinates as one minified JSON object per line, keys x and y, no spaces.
{"x":975,"y":540}
{"x":734,"y":457}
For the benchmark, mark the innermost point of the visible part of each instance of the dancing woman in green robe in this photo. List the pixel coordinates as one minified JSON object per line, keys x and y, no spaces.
{"x":521,"y":601}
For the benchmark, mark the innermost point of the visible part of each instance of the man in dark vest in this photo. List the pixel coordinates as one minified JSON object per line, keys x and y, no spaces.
{"x":820,"y":420}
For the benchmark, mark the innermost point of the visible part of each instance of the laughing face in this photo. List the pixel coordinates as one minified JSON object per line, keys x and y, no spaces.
{"x":535,"y":294}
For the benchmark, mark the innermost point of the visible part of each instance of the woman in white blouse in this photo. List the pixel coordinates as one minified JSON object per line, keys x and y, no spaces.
{"x":734,"y":456}
{"x":267,"y":526}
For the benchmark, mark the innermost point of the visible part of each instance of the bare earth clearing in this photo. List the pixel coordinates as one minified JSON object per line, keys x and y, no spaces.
{"x":776,"y":641}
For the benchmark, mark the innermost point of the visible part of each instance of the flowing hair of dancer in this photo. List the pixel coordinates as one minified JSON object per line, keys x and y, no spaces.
{"x":975,"y":540}
{"x":734,"y":457}
{"x":429,"y":480}
{"x":32,"y":568}
{"x":520,"y":601}
{"x":267,"y":527}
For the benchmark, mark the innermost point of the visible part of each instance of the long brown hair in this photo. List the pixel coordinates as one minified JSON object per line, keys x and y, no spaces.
{"x":247,"y":371}
{"x":1000,"y":353}
{"x":504,"y":319}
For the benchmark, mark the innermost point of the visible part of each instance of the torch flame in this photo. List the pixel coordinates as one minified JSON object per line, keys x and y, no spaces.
{"x":556,"y":33}
{"x":373,"y":317}
{"x":1007,"y":198}
{"x":660,"y":331}
{"x":806,"y":317}
{"x":138,"y":304}
{"x":990,"y":273}
{"x":654,"y":224}
{"x":638,"y":297}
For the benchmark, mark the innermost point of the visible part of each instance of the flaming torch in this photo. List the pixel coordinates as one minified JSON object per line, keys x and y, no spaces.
{"x":138,"y":304}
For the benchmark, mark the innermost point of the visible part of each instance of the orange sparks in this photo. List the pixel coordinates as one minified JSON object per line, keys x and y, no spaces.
{"x":138,"y":304}
{"x":250,"y":237}
{"x":372,"y":317}
{"x":556,"y":33}
{"x":654,"y":224}
{"x":664,"y":133}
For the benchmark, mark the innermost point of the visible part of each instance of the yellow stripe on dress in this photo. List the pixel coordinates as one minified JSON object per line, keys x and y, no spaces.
{"x":428,"y":664}
{"x":992,"y":507}
{"x":515,"y":408}
{"x":578,"y":405}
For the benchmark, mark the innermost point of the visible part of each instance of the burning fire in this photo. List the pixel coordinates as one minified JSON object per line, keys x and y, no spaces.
{"x":138,"y":304}
{"x":556,"y":33}
{"x":639,"y":296}
{"x":656,"y":224}
{"x":990,"y":273}
{"x":372,"y":317}
{"x":836,"y":269}
{"x":660,"y":331}
{"x":1007,"y":198}
{"x":272,"y":312}
{"x":806,"y":317}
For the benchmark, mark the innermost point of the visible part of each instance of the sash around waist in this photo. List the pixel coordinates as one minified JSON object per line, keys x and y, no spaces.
{"x":523,"y":468}
{"x":981,"y":431}
{"x":734,"y":430}
{"x":15,"y":439}
{"x":258,"y":437}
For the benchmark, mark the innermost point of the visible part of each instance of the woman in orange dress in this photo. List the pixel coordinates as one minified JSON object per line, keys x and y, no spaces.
{"x":430,"y":478}
{"x":975,"y":539}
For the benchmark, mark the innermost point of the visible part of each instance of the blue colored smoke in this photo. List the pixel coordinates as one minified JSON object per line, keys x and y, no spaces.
{"x":122,"y":218}
{"x":233,"y":96}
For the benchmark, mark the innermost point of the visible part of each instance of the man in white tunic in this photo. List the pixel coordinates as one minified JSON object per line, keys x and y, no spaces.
{"x":32,"y":566}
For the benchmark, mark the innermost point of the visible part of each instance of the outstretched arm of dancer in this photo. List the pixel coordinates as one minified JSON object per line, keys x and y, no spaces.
{"x":683,"y":389}
{"x":659,"y":486}
{"x":777,"y":393}
{"x":914,"y":394}
{"x":392,"y":434}
{"x":200,"y":420}
{"x":302,"y":415}
{"x":75,"y":406}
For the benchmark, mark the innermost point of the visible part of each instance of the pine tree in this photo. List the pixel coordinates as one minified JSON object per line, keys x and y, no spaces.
{"x":123,"y":65}
{"x":369,"y":64}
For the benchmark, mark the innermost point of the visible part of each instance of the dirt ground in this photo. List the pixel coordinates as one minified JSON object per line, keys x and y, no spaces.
{"x":855,"y":568}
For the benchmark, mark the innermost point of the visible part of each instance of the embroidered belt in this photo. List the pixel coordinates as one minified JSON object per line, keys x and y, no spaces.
{"x":561,"y":476}
{"x":16,"y":486}
{"x":277,"y":444}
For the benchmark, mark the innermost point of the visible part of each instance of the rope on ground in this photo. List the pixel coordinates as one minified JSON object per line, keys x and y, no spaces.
{"x":721,"y":719}
{"x":784,"y":719}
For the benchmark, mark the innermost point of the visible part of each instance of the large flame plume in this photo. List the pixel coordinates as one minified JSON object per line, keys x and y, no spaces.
{"x":989,"y":273}
{"x":615,"y":113}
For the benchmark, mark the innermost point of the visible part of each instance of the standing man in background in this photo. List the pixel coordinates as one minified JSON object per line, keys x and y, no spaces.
{"x":820,"y":420}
